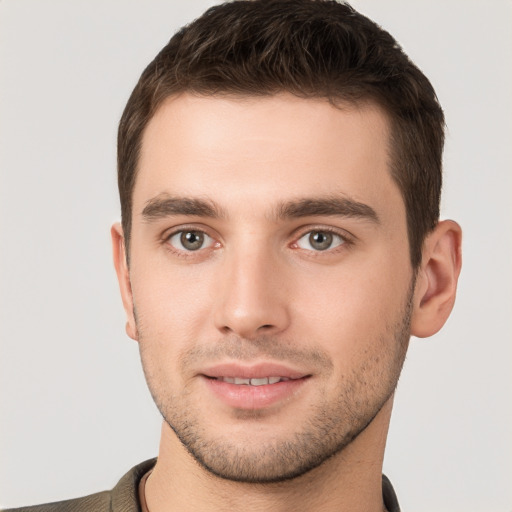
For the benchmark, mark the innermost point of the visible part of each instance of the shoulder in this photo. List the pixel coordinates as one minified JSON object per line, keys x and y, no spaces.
{"x":123,"y":497}
{"x":389,"y":495}
{"x":99,"y":502}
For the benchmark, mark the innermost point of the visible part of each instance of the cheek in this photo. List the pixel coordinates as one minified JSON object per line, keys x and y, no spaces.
{"x":172,"y":303}
{"x":351,"y":310}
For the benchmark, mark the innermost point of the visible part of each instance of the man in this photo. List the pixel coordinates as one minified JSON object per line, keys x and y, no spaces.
{"x":279,"y":173}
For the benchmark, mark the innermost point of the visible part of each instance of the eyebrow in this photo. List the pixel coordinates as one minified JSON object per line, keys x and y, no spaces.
{"x":165,"y":205}
{"x":329,"y":206}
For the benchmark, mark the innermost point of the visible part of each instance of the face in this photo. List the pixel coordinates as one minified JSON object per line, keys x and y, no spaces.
{"x":270,"y":278}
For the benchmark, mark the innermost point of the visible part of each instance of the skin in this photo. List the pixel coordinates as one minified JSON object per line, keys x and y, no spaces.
{"x":259,"y":290}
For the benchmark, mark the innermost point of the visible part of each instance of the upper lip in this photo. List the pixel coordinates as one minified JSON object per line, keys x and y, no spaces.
{"x":252,"y":371}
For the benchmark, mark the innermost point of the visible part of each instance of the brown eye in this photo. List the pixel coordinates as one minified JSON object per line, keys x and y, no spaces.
{"x":190,"y":240}
{"x":320,"y":240}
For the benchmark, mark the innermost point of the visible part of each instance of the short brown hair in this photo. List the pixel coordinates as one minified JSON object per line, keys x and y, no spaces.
{"x":312,"y":49}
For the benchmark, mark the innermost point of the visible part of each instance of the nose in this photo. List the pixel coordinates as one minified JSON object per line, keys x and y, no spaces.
{"x":252,"y":295}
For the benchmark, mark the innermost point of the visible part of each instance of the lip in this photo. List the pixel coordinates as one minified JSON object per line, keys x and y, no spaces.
{"x":254,"y":371}
{"x":247,"y":397}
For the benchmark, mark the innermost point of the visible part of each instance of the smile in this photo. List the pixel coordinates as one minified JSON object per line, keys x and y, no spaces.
{"x":251,"y":393}
{"x":252,"y":382}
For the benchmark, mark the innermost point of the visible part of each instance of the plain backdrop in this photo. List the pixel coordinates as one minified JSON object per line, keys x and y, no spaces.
{"x":75,"y":411}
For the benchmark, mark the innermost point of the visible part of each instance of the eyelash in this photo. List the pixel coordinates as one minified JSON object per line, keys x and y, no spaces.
{"x":346,"y":240}
{"x":183,"y":253}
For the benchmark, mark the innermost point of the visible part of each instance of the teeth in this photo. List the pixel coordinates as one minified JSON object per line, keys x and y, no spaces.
{"x":259,"y":382}
{"x":253,"y":382}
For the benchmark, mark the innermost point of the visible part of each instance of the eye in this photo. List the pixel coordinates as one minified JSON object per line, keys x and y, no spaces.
{"x":320,"y":240}
{"x":190,"y":240}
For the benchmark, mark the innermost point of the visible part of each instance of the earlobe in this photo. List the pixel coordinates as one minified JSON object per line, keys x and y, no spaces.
{"x":123,"y":277}
{"x":436,"y":282}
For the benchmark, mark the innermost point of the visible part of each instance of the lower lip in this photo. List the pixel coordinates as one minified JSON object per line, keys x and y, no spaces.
{"x":243,"y":396}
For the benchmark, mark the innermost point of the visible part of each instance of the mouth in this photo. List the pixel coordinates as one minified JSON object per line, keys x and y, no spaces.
{"x":256,"y":386}
{"x":242,"y":381}
{"x":256,"y":374}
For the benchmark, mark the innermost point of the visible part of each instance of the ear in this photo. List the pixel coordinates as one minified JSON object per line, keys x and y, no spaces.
{"x":436,"y":282}
{"x":123,"y":277}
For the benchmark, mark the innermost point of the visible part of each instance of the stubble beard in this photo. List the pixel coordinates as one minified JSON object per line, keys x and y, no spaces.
{"x":331,"y":425}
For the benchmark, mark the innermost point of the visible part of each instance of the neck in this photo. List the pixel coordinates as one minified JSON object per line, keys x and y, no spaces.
{"x":350,"y":480}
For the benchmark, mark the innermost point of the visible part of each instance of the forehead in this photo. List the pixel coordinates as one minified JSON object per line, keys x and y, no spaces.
{"x":265,"y":149}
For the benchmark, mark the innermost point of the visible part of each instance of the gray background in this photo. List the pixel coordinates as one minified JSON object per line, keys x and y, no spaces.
{"x":75,"y":412}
